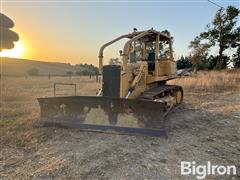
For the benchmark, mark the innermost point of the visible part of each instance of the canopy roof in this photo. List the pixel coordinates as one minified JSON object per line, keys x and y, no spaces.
{"x":151,"y":36}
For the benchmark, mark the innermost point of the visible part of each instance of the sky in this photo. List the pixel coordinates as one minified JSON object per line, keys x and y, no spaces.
{"x":73,"y":31}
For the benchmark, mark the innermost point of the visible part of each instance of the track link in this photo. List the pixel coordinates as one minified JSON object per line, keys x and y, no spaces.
{"x":161,"y":92}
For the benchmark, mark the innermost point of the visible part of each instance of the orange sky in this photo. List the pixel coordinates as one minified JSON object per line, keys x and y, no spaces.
{"x":74,"y":32}
{"x":51,"y":36}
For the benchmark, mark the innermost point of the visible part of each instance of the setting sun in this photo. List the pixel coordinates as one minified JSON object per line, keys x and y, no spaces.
{"x":16,"y":52}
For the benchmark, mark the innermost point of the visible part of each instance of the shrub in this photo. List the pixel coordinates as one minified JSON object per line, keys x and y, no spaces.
{"x":33,"y":72}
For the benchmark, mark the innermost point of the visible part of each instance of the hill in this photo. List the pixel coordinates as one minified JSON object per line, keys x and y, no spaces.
{"x":20,"y":67}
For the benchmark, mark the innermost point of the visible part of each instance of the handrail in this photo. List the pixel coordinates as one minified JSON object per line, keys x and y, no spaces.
{"x":100,"y":55}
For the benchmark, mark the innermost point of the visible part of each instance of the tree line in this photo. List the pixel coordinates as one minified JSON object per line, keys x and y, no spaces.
{"x":219,"y":46}
{"x":78,"y":69}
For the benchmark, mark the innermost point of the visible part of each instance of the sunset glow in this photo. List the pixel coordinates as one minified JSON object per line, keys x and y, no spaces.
{"x":67,"y":32}
{"x":16,"y":52}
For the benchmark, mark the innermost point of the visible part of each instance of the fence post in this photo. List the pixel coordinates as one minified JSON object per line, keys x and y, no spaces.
{"x":75,"y":90}
{"x":54,"y":89}
{"x":96,"y":77}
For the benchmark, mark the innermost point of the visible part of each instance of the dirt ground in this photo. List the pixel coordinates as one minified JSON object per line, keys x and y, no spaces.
{"x":206,"y":127}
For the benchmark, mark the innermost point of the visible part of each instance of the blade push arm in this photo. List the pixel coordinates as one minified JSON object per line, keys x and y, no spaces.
{"x":136,"y":80}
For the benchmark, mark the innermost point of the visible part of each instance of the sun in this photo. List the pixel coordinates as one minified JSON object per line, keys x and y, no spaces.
{"x":16,"y":52}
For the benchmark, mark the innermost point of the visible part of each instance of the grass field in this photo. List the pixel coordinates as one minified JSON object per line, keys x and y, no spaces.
{"x":20,"y":67}
{"x":19,"y":106}
{"x":31,"y":152}
{"x":211,"y":81}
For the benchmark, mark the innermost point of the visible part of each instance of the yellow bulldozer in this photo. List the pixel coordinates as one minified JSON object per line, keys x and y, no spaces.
{"x":134,"y":98}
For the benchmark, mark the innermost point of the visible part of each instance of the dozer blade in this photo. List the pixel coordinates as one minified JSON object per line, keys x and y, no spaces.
{"x":104,"y":114}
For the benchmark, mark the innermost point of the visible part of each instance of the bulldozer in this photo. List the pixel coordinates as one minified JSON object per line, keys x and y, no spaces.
{"x":134,"y":97}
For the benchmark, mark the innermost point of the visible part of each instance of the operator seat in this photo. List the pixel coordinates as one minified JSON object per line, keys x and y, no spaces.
{"x":151,"y":61}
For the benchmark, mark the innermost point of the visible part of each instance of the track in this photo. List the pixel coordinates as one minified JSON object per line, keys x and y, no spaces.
{"x":162,"y":92}
{"x":172,"y":95}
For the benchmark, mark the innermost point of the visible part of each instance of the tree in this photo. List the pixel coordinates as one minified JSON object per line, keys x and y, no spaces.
{"x":199,"y":53}
{"x":86,"y":69}
{"x":236,"y":58}
{"x":8,"y":37}
{"x":236,"y":44}
{"x":183,"y":62}
{"x":114,"y":61}
{"x":33,"y":72}
{"x":222,"y":33}
{"x":69,"y":73}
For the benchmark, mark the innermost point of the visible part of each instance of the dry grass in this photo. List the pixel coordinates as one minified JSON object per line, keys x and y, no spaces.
{"x":19,"y":111}
{"x":208,"y":89}
{"x":211,"y":81}
{"x":19,"y":108}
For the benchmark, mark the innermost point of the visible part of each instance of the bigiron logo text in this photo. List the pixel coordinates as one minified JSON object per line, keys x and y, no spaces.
{"x":203,"y":170}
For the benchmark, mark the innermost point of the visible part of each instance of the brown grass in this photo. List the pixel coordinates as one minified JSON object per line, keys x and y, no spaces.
{"x":211,"y":81}
{"x":19,"y":108}
{"x":19,"y":111}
